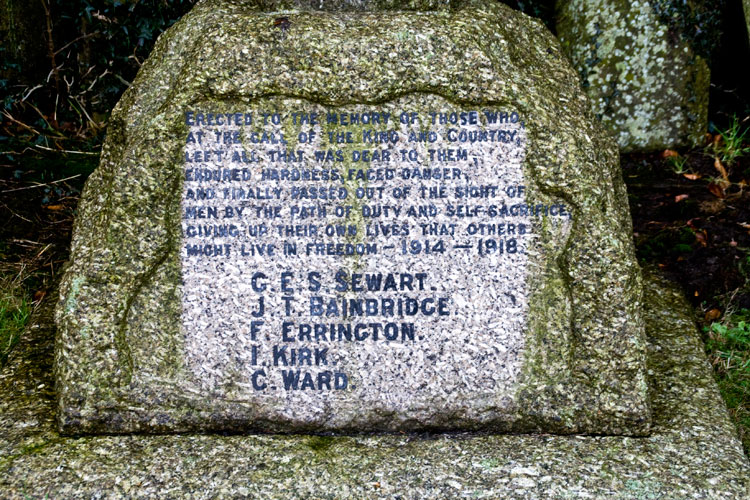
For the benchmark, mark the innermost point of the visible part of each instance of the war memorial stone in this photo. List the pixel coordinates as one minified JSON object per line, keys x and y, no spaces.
{"x":353,"y":236}
{"x":323,"y":233}
{"x":377,"y":251}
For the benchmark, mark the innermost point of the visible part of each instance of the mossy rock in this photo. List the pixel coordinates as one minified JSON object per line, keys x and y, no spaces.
{"x":121,"y":363}
{"x":644,"y":78}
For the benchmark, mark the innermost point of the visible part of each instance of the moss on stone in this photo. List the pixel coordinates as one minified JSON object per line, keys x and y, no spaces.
{"x":646,"y":82}
{"x":320,"y":444}
{"x":693,"y":451}
{"x":585,"y":349}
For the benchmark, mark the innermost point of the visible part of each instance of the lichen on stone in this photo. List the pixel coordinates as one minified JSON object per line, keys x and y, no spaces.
{"x":692,"y":452}
{"x":585,"y":350}
{"x":646,"y":82}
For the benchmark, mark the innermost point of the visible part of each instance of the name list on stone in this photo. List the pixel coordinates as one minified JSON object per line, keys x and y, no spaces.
{"x":309,"y":231}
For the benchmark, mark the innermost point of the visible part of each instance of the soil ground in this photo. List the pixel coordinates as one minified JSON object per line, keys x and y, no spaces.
{"x":693,"y":228}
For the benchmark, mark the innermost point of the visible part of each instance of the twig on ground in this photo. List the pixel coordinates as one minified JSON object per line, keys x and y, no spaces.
{"x":16,"y":214}
{"x":27,"y":127}
{"x":26,"y":242}
{"x":87,"y":153}
{"x":82,"y":37}
{"x":41,"y":185}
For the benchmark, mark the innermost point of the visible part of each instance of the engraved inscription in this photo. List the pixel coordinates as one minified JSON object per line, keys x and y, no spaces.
{"x":368,"y":254}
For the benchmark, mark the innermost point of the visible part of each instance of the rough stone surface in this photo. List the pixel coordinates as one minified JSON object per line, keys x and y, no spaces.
{"x":644,"y":80}
{"x":693,"y":451}
{"x":121,"y":352}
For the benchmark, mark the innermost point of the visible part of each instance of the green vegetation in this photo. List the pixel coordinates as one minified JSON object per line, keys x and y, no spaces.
{"x":728,"y":347}
{"x":678,"y":164}
{"x":732,"y":143}
{"x":727,"y":147}
{"x":15,"y":309}
{"x":691,"y":220}
{"x":39,"y":200}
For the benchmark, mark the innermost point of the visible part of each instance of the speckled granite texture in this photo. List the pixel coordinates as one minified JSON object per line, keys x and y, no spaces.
{"x":693,"y":451}
{"x":459,"y":368}
{"x":644,"y":80}
{"x":121,"y":363}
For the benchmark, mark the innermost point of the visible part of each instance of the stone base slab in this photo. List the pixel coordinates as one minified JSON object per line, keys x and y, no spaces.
{"x":693,"y":451}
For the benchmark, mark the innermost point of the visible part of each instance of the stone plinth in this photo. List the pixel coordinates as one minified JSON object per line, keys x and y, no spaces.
{"x":692,"y":452}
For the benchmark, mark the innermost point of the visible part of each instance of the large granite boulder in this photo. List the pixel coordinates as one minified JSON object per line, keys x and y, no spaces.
{"x":644,"y":78}
{"x":353,"y":221}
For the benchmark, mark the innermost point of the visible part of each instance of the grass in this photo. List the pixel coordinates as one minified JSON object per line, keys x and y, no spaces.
{"x":676,"y":162}
{"x":728,"y":347}
{"x":728,"y":340}
{"x":39,"y":195}
{"x":732,"y":143}
{"x":15,"y":309}
{"x":726,"y":148}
